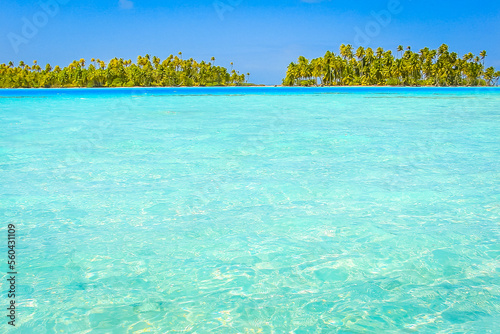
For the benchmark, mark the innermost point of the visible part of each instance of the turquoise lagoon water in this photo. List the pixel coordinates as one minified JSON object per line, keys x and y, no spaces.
{"x":255,"y":210}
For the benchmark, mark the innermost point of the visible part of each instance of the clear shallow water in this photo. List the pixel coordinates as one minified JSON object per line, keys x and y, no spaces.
{"x":350,"y":210}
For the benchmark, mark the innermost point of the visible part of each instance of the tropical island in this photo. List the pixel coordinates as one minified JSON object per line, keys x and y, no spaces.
{"x":147,"y":72}
{"x":366,"y":67}
{"x":363,"y":67}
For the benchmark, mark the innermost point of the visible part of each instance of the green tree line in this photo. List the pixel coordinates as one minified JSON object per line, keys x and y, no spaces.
{"x":147,"y":72}
{"x":380,"y":68}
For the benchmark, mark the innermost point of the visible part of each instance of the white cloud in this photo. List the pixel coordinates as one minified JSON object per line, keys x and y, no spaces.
{"x":126,"y":4}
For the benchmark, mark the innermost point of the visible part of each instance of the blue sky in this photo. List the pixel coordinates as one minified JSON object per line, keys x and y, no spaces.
{"x":260,"y":37}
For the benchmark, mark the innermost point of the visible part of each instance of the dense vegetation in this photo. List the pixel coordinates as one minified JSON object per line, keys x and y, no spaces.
{"x":367,"y":67}
{"x":148,"y":72}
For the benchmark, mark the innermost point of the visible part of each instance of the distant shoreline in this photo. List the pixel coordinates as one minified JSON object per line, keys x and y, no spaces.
{"x":349,"y":68}
{"x":251,"y":86}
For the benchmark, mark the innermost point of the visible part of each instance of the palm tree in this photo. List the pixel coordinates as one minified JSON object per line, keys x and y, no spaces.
{"x":346,"y":51}
{"x":489,"y":75}
{"x":304,"y":70}
{"x":400,"y":49}
{"x":442,"y":49}
{"x":483,"y":55}
{"x":360,"y":52}
{"x":496,"y":77}
{"x":317,"y":70}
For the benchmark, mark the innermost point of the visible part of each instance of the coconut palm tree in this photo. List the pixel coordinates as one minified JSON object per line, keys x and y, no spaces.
{"x":483,"y":55}
{"x":346,"y":51}
{"x":400,"y":49}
